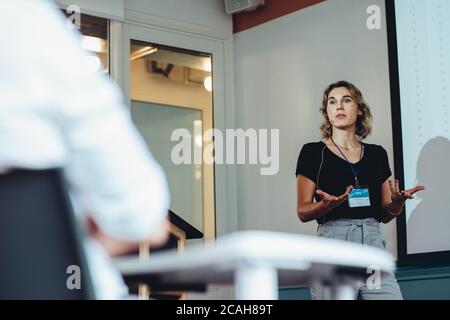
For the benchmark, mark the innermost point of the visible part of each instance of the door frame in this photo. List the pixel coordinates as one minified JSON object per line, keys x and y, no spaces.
{"x":220,"y":198}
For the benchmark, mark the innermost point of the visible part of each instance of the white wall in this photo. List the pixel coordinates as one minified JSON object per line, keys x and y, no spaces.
{"x":111,"y":9}
{"x":202,"y":13}
{"x":281,"y":70}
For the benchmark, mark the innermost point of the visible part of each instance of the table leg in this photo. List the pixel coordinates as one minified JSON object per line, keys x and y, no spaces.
{"x":256,"y":283}
{"x":344,"y":291}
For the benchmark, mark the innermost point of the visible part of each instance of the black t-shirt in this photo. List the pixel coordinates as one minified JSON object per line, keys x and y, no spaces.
{"x":336,"y":174}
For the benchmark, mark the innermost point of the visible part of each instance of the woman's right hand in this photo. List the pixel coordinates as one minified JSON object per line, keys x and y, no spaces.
{"x":330,"y":202}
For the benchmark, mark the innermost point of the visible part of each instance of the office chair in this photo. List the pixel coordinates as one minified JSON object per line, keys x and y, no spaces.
{"x":39,"y":239}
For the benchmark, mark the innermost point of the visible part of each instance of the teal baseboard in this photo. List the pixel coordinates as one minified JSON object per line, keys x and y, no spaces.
{"x":424,"y":282}
{"x":294,"y":293}
{"x":416,"y":283}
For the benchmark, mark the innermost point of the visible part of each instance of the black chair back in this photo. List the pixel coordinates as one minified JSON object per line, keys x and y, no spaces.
{"x":41,"y":252}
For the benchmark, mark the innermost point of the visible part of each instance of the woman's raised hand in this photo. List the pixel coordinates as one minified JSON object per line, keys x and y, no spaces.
{"x":330,"y":201}
{"x":400,"y":196}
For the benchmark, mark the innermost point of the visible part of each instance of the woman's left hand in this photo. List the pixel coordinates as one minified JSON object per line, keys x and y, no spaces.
{"x":400,"y":196}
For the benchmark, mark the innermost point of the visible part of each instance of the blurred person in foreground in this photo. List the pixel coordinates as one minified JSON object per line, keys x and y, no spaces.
{"x":57,"y":113}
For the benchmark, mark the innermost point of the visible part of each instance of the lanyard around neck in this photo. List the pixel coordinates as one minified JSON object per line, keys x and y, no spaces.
{"x":355,"y":172}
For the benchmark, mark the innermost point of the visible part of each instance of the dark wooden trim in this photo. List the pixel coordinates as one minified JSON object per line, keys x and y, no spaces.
{"x":271,"y":10}
{"x":191,"y":231}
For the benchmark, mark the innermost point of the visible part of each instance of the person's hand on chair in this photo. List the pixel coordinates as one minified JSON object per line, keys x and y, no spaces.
{"x":116,"y":247}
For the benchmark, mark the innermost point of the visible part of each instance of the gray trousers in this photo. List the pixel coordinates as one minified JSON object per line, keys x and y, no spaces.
{"x":366,"y":232}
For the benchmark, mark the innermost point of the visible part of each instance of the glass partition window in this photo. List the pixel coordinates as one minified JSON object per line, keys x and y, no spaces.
{"x":171,"y":92}
{"x":157,"y":122}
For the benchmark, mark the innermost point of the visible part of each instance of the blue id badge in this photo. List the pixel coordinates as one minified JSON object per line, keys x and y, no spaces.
{"x":359,"y":197}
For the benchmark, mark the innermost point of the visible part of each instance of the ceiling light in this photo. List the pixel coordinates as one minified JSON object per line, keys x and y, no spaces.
{"x":207,"y":65}
{"x":208,"y":83}
{"x":145,"y":51}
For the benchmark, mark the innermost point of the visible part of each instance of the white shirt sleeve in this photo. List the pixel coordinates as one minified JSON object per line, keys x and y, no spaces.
{"x":111,"y":171}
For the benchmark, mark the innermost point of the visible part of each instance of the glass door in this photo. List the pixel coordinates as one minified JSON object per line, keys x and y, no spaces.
{"x":171,"y":104}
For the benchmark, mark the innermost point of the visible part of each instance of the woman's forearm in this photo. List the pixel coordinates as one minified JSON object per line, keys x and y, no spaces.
{"x":312,"y":210}
{"x":395,"y":208}
{"x":392,"y":211}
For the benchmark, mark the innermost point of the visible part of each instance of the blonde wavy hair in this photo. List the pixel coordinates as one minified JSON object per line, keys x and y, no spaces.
{"x":363,"y":122}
